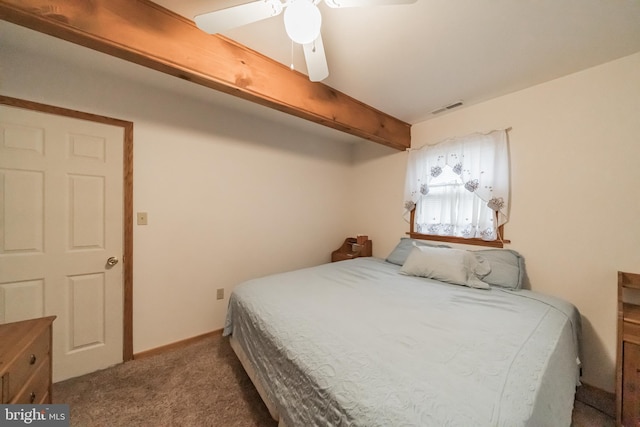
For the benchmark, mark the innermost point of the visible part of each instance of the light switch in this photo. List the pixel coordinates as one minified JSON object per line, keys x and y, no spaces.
{"x":142,"y":218}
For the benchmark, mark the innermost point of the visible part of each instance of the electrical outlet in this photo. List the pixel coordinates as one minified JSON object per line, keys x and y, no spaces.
{"x":142,"y":218}
{"x":220,"y":294}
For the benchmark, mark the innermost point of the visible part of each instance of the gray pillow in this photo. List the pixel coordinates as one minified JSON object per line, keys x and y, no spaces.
{"x":455,"y":266}
{"x":400,"y":253}
{"x":507,"y":267}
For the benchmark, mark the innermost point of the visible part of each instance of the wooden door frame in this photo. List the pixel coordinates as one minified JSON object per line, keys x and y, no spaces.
{"x":127,"y":338}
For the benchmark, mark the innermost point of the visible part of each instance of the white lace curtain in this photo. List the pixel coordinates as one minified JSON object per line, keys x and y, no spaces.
{"x":460,"y":186}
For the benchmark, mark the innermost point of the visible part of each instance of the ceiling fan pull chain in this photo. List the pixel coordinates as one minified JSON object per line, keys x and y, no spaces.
{"x":292,"y":68}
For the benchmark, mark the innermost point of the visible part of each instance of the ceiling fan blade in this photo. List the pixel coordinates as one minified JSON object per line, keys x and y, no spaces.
{"x":316,"y":60}
{"x":360,"y":3}
{"x":236,"y":16}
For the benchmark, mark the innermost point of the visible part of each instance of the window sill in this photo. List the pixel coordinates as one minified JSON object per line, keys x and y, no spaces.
{"x":460,"y":240}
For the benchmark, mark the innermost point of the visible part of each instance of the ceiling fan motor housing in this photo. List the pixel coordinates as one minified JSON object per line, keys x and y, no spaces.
{"x":302,"y":21}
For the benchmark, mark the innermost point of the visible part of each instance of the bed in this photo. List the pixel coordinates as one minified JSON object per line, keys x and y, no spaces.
{"x":365,"y":342}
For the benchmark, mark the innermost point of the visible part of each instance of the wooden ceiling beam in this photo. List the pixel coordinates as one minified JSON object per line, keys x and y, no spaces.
{"x":147,"y":34}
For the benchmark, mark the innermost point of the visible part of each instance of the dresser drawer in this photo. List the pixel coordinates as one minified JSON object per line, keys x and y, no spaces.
{"x":28,"y":361}
{"x":631,"y":332}
{"x":36,"y":390}
{"x":4,"y":389}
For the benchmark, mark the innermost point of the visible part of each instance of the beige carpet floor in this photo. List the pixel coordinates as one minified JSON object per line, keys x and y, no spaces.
{"x":199,"y":385}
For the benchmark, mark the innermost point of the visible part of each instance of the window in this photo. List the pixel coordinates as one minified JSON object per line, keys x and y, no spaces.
{"x":458,"y":190}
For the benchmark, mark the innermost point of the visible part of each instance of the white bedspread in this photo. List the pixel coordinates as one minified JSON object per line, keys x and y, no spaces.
{"x":355,"y":343}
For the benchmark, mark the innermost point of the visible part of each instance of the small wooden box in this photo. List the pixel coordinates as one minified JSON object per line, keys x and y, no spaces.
{"x":352,"y":249}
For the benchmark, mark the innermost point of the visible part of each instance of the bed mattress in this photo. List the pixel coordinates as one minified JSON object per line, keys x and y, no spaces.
{"x":356,"y":343}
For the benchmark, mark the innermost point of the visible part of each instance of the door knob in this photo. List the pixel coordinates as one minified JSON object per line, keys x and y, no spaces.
{"x":112,"y":261}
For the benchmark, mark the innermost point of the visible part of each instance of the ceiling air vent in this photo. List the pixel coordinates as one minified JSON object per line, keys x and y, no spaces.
{"x":447,"y":107}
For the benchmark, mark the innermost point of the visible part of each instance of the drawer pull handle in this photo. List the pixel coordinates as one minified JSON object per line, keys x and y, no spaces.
{"x":32,"y":397}
{"x":32,"y":359}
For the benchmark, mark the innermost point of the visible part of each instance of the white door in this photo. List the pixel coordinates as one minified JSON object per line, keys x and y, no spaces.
{"x":61,"y":219}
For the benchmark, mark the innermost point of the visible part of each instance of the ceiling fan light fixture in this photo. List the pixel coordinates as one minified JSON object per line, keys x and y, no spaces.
{"x":302,"y":21}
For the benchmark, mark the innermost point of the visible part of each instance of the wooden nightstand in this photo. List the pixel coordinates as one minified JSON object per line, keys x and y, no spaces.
{"x":352,"y":249}
{"x":628,"y":357}
{"x":25,"y":361}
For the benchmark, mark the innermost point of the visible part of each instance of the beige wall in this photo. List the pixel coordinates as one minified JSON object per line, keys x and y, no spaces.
{"x":575,"y":213}
{"x":229,"y":196}
{"x":377,"y":202}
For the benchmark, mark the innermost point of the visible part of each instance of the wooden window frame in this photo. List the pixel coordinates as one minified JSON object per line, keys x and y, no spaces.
{"x":452,"y":239}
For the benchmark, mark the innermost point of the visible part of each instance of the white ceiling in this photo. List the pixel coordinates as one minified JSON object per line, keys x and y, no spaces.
{"x":408,"y":60}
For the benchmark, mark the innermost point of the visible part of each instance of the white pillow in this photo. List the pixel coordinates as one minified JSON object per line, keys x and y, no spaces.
{"x":455,"y":266}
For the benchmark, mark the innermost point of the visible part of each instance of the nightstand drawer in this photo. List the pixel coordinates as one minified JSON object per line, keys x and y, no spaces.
{"x":36,"y":389}
{"x":26,"y":364}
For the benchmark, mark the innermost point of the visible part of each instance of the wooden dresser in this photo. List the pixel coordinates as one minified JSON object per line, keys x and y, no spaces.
{"x":25,"y":361}
{"x":628,"y":358}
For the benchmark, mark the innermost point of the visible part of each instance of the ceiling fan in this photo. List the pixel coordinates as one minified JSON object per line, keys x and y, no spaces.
{"x":302,"y":21}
